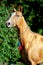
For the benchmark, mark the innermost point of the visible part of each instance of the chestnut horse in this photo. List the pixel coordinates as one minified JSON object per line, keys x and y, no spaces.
{"x":32,"y":42}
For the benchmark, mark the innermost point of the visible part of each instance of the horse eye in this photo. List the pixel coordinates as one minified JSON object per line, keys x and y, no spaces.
{"x":17,"y":15}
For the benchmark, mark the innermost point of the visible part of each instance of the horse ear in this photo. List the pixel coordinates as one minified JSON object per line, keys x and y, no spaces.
{"x":14,"y":10}
{"x":20,"y":8}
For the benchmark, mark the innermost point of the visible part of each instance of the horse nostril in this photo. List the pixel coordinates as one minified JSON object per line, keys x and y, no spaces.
{"x":9,"y":23}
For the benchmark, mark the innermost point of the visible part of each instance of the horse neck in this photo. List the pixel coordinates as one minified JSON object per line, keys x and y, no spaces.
{"x":22,"y":26}
{"x":24,"y":31}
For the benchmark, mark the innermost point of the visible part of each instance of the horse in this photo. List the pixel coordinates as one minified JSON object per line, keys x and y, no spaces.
{"x":31,"y":41}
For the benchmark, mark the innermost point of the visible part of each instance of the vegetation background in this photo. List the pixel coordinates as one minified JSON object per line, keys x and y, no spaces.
{"x":33,"y":13}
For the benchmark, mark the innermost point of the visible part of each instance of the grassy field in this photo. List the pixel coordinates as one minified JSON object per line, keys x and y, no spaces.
{"x":33,"y":13}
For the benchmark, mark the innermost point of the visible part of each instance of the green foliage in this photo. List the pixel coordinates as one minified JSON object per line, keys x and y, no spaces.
{"x":8,"y":38}
{"x":32,"y":11}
